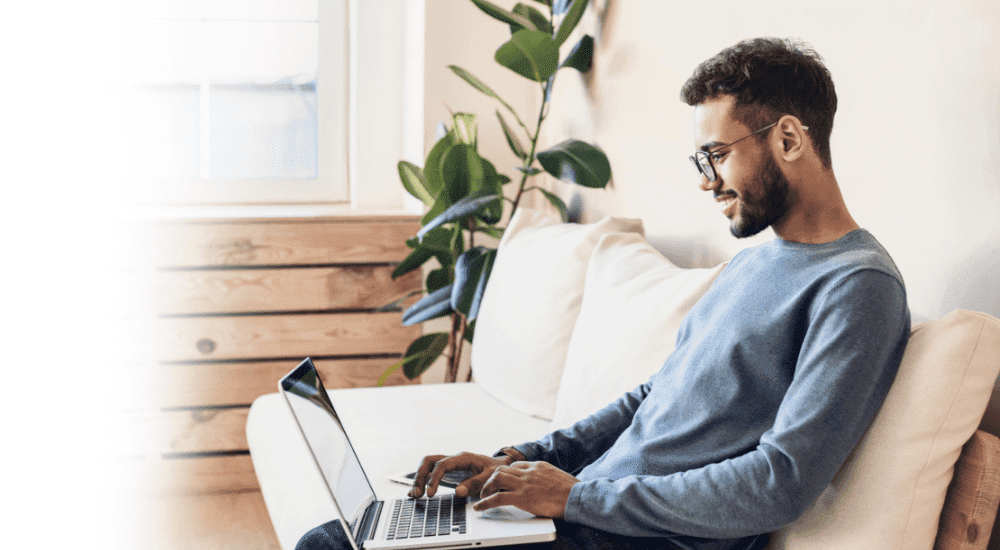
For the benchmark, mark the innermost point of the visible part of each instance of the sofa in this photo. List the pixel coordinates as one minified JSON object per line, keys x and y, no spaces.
{"x":577,"y":314}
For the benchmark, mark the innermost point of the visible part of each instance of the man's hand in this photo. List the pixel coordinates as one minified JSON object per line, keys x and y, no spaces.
{"x":434,"y":467}
{"x":536,"y":487}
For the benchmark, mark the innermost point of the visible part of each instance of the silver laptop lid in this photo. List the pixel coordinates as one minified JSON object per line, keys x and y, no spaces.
{"x":328,"y":443}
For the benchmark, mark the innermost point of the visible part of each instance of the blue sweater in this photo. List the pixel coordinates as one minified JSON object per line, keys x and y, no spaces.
{"x":778,"y":371}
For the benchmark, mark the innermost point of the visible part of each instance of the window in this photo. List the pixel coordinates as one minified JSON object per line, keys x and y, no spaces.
{"x":252,"y":101}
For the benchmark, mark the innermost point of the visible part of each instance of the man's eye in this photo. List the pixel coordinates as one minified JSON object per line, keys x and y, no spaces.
{"x":717,"y":157}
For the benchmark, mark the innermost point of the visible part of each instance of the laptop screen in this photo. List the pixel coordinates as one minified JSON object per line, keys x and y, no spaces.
{"x":328,"y":442}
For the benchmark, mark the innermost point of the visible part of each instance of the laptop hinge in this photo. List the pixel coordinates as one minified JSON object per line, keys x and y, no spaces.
{"x":366,"y":531}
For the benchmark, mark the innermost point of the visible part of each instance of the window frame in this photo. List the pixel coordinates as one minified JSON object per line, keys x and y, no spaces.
{"x":381,"y":122}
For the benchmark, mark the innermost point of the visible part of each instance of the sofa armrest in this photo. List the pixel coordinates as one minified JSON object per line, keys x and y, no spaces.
{"x":970,"y":506}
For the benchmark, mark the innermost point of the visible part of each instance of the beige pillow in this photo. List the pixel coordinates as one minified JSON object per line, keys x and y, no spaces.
{"x":890,"y":492}
{"x":531,"y":304}
{"x":633,"y":302}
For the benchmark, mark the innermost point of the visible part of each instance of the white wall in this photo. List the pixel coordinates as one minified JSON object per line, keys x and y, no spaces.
{"x":916,"y":140}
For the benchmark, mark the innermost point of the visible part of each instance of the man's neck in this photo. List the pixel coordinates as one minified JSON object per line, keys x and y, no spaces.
{"x":818,"y":213}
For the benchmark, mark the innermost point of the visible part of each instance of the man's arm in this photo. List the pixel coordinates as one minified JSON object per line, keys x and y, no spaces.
{"x":573,"y":448}
{"x":847,"y":363}
{"x":569,"y":450}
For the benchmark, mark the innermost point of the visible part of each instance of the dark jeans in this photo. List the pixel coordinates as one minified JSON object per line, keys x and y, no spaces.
{"x":569,"y":536}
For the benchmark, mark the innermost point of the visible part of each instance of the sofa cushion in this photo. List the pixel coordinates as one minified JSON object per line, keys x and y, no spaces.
{"x":890,"y":492}
{"x":633,"y":302}
{"x":531,"y":304}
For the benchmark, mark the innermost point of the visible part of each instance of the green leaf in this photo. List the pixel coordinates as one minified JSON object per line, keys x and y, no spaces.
{"x":462,"y":171}
{"x":570,"y":21}
{"x":512,"y":141}
{"x":423,"y":352}
{"x":479,"y":85}
{"x":464,"y":129}
{"x":434,"y":305}
{"x":432,"y":166}
{"x":436,"y":240}
{"x":438,"y":279}
{"x":441,"y":203}
{"x":530,"y":170}
{"x":457,"y":239}
{"x":461,"y":209}
{"x":472,"y":271}
{"x":492,"y":183}
{"x":581,"y":57}
{"x":531,"y":54}
{"x":470,"y":331}
{"x":501,"y":14}
{"x":414,"y":260}
{"x":536,"y":17}
{"x":577,"y":162}
{"x":473,"y":81}
{"x":413,"y":181}
{"x":434,"y":244}
{"x":558,"y":203}
{"x":396,"y":304}
{"x":388,"y":372}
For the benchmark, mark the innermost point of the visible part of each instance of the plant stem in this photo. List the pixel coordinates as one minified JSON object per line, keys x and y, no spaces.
{"x":531,"y":156}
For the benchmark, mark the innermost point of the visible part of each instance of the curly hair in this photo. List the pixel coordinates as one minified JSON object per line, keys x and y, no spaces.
{"x":769,"y":78}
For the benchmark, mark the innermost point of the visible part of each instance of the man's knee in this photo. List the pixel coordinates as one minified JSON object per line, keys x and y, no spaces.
{"x":329,"y":536}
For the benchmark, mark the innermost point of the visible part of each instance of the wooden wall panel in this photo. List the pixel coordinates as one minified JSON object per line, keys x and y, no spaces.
{"x":295,"y":335}
{"x":272,"y":242}
{"x":154,"y":475}
{"x":225,"y":308}
{"x":239,"y":383}
{"x":269,"y":290}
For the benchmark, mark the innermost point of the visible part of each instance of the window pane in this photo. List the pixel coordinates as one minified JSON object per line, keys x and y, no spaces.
{"x":262,"y":99}
{"x":263,"y":132}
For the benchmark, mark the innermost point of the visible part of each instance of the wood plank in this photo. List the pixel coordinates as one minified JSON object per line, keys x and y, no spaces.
{"x":265,"y":290}
{"x":272,"y":242}
{"x":970,"y":506}
{"x":160,"y":432}
{"x":230,"y":521}
{"x":255,"y":337}
{"x":152,"y":475}
{"x":211,"y":384}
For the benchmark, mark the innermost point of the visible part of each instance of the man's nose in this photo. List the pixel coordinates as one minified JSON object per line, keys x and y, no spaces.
{"x":704,"y":184}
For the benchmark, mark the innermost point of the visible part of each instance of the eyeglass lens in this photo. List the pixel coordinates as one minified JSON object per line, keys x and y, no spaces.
{"x":704,"y":165}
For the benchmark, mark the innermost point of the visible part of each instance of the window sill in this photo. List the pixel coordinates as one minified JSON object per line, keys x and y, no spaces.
{"x":268,"y":212}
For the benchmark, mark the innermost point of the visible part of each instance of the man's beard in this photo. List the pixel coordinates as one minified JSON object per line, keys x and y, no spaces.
{"x":762,"y":202}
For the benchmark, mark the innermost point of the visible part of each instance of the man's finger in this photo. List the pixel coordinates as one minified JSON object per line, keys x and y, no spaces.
{"x":461,"y":461}
{"x":473,"y":485}
{"x":501,"y":480}
{"x":420,"y":479}
{"x":503,"y":498}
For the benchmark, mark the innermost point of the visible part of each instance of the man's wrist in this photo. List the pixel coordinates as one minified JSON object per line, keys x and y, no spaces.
{"x":512,"y":454}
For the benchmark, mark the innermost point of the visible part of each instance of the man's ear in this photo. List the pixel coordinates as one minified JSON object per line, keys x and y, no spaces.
{"x":793,"y":138}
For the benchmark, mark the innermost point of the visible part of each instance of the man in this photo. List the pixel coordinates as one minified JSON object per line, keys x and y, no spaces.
{"x":779,"y":368}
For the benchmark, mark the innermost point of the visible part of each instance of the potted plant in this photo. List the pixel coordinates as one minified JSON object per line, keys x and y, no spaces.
{"x":464,"y":191}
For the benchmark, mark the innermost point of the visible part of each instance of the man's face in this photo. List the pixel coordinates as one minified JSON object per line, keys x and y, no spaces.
{"x":749,"y":185}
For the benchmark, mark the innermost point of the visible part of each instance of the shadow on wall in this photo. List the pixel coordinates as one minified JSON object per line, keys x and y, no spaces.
{"x":975,"y":284}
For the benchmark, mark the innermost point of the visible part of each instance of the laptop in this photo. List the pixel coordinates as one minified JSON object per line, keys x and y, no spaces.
{"x":445,"y":521}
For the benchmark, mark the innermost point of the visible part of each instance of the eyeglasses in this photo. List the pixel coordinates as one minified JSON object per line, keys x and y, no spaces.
{"x":702,"y":160}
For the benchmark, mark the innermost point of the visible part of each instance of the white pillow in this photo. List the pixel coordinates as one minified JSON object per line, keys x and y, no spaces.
{"x":530,"y":306}
{"x":633,"y":302}
{"x":890,"y":492}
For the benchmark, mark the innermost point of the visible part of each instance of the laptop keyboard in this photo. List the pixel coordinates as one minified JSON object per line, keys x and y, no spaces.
{"x":432,"y":517}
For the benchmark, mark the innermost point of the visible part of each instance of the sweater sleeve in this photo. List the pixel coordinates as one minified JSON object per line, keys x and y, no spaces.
{"x":572,"y":448}
{"x":848,"y":360}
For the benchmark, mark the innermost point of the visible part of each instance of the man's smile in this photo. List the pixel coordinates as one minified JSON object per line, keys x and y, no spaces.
{"x":727,"y":199}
